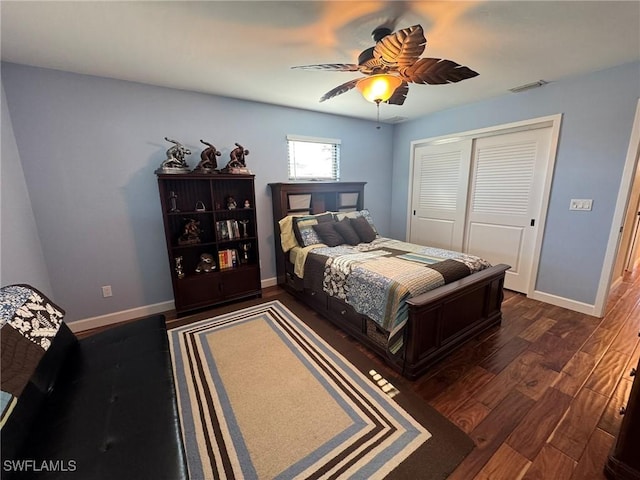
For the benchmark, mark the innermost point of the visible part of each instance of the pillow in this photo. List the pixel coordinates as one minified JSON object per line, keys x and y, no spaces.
{"x":303,"y":228}
{"x":328,"y":234}
{"x":29,"y":321}
{"x":344,"y":228}
{"x":360,"y":213}
{"x":287,"y":237}
{"x":363,"y":229}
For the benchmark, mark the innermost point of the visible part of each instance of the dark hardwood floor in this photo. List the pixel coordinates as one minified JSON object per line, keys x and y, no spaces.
{"x":540,"y":395}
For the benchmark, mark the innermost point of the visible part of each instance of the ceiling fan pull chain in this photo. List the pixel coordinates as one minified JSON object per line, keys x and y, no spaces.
{"x":378,"y":114}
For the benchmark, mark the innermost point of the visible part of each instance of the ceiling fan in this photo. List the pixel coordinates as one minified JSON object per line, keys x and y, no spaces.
{"x":392,"y":64}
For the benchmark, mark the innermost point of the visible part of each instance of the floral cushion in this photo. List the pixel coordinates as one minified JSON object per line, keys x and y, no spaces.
{"x":28,"y":323}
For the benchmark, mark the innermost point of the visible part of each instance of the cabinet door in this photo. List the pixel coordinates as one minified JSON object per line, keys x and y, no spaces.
{"x":240,"y":282}
{"x":196,"y":291}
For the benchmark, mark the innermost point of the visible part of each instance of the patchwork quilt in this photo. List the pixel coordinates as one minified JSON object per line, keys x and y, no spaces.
{"x":28,"y":323}
{"x":377,"y":278}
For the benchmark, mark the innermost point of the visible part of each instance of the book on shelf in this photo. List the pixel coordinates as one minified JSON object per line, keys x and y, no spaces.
{"x":228,"y":258}
{"x":227,"y":229}
{"x":222,"y":231}
{"x":233,"y":229}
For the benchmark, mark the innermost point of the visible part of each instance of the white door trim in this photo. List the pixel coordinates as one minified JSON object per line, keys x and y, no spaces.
{"x":552,"y":121}
{"x":626,"y":183}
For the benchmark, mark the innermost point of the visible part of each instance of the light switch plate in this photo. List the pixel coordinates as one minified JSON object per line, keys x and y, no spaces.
{"x":581,"y":204}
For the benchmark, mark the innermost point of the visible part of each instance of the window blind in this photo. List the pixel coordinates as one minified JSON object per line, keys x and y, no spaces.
{"x":313,"y":158}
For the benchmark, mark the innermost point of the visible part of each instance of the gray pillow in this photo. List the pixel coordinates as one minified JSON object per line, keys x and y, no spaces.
{"x":344,"y":228}
{"x":328,"y":234}
{"x":302,"y":228}
{"x":363,"y":229}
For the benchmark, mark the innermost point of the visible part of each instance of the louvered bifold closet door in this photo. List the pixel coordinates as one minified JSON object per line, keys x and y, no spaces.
{"x":504,"y":200}
{"x":440,"y":182}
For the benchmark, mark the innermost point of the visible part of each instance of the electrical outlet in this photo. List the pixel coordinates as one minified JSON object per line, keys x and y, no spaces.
{"x":106,"y":291}
{"x":580,"y":204}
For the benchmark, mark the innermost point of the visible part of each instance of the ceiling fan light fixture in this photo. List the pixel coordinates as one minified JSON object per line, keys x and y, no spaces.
{"x":378,"y":88}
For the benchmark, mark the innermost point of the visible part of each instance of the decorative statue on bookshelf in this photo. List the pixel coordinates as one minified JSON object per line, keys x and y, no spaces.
{"x":190,"y":232}
{"x":175,"y":162}
{"x":206,"y":264}
{"x":231,"y":203}
{"x":179,"y":269}
{"x":173,"y":202}
{"x":208,"y":162}
{"x":237,"y":163}
{"x":245,"y":248}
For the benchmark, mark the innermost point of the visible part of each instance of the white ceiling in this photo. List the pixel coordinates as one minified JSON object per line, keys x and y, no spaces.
{"x":244,"y":49}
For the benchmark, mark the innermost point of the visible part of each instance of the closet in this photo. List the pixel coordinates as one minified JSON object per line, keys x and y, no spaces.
{"x":486,"y":193}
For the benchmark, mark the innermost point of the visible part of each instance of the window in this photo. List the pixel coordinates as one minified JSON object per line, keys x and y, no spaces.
{"x":313,"y":158}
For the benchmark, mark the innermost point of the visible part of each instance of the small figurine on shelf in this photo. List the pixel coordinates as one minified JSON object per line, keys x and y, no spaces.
{"x":244,"y":224}
{"x":208,"y":163}
{"x":173,"y":201}
{"x":237,"y":163}
{"x":179,"y":270}
{"x":247,"y":204}
{"x":231,"y":203}
{"x":175,"y":162}
{"x":245,"y":248}
{"x":206,"y":264}
{"x":190,"y":232}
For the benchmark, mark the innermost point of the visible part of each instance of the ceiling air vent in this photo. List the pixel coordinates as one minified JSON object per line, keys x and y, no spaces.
{"x":528,"y":86}
{"x":396,"y":119}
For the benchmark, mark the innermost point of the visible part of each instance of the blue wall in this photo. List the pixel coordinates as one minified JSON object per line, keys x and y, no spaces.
{"x":21,"y":256}
{"x":89,"y":147}
{"x":598,"y":112}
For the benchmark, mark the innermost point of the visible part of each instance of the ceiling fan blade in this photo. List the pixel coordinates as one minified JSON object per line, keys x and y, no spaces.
{"x":333,"y":67}
{"x":399,"y":94}
{"x":436,"y":71}
{"x":402,"y":48}
{"x":345,"y":87}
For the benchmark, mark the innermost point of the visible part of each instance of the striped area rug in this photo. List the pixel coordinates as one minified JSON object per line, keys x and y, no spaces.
{"x":262,"y":396}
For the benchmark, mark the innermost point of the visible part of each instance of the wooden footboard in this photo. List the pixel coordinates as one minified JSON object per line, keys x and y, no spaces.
{"x":444,"y":318}
{"x":439,"y":321}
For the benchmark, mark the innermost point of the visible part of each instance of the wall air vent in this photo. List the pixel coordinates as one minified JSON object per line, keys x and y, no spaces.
{"x":528,"y":86}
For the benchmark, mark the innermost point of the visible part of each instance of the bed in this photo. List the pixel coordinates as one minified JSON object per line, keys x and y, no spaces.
{"x":411,"y":304}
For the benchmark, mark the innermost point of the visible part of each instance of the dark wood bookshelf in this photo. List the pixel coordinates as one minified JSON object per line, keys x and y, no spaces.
{"x":204,"y":198}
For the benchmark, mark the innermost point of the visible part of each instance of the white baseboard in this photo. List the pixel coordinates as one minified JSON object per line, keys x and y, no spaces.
{"x":138,"y":312}
{"x":269,"y":282}
{"x":615,"y":284}
{"x":564,"y":302}
{"x":121,"y":316}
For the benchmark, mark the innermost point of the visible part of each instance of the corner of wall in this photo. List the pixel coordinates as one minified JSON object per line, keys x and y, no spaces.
{"x":21,"y":255}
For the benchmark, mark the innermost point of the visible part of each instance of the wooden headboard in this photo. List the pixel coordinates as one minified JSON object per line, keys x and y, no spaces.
{"x":302,"y":198}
